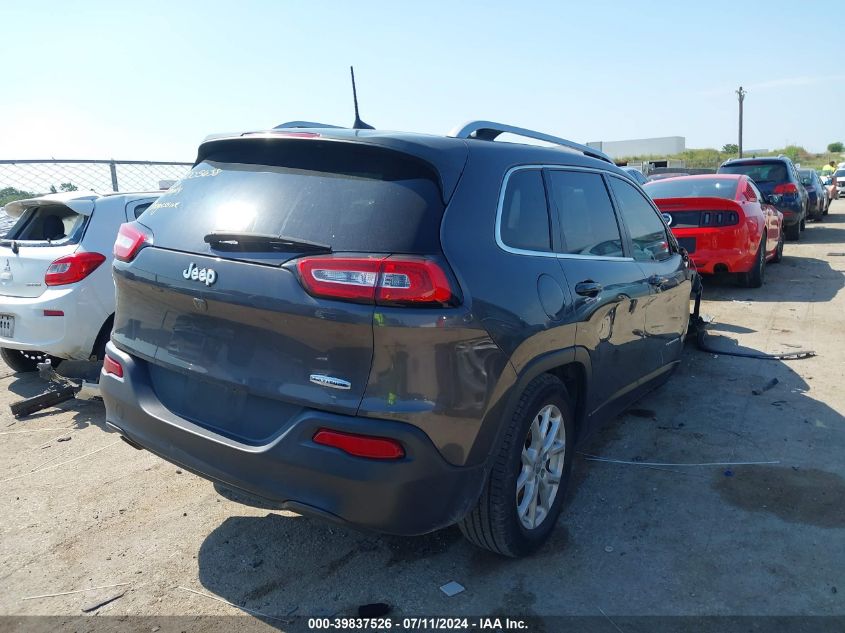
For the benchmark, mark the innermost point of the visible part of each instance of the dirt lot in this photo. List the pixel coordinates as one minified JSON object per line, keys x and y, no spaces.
{"x":765,"y":539}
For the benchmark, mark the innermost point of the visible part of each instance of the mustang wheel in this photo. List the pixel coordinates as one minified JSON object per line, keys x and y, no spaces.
{"x":521,"y":500}
{"x":778,"y":258}
{"x":754,"y":278}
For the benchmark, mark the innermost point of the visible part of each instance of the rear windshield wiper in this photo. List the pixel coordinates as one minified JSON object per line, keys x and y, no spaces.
{"x":243,"y":241}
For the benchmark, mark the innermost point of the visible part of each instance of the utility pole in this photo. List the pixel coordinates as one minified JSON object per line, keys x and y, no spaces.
{"x":741,"y":95}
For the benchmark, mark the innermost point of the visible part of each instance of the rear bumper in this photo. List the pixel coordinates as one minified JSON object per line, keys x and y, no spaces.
{"x":69,"y":336}
{"x":414,"y":495}
{"x":719,"y":249}
{"x":791,"y":214}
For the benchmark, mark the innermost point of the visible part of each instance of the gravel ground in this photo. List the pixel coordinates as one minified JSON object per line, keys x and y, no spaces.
{"x":633,"y":540}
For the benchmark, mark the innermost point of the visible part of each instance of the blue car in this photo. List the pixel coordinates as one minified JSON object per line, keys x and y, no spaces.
{"x":778,"y":180}
{"x":816,"y":191}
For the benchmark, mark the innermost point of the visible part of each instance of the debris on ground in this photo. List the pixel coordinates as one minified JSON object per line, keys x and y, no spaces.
{"x":67,"y":593}
{"x":452,"y":588}
{"x":66,"y":438}
{"x":93,"y":605}
{"x":765,"y":387}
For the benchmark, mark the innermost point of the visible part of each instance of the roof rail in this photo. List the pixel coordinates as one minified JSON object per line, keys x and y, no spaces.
{"x":296,"y":124}
{"x":488,"y":131}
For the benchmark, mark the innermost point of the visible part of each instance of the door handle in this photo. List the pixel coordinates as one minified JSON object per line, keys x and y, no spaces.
{"x":588,"y":288}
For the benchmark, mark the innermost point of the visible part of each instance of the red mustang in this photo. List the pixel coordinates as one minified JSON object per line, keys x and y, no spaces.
{"x":724,"y":223}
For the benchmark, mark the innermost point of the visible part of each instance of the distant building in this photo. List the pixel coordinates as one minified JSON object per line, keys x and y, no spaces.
{"x":661,"y":146}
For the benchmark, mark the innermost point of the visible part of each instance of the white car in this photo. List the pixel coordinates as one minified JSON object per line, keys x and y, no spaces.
{"x":56,"y":286}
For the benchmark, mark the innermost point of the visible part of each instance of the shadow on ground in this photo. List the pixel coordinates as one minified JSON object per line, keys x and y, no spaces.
{"x":283,"y":564}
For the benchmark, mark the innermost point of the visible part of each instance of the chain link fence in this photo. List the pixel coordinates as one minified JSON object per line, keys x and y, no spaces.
{"x":25,"y":178}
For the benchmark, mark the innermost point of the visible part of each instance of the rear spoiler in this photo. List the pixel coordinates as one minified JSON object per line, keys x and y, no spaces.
{"x":83,"y":205}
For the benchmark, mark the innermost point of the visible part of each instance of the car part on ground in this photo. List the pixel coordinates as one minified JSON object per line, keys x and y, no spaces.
{"x":77,"y":379}
{"x":363,"y":325}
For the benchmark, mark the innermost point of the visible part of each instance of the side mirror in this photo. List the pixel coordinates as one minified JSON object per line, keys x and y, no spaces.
{"x":774,"y":199}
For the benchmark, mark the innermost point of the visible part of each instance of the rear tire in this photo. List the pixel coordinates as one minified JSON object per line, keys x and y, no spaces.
{"x":755,"y":277}
{"x":528,"y":481}
{"x":803,"y":224}
{"x":778,"y":258}
{"x":25,"y":361}
{"x":793,"y":232}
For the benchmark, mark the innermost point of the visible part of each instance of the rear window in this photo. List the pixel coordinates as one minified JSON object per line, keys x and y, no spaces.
{"x":761,"y":172}
{"x":351,"y":197}
{"x":48,"y":224}
{"x":840,"y":173}
{"x":525,"y":214}
{"x":693,"y":188}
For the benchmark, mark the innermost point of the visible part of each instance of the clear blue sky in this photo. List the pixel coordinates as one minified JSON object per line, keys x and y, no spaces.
{"x":148,"y":80}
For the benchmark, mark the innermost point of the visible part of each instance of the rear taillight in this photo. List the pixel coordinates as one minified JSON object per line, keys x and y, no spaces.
{"x":111,"y":366}
{"x":719,"y":218}
{"x":130,"y":239}
{"x":73,"y":268}
{"x":394,"y":280}
{"x":360,"y":445}
{"x":785,"y":188}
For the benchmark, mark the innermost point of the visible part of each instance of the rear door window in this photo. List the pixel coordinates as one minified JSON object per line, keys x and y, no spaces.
{"x":587,"y":219}
{"x":49,"y":224}
{"x":348,"y":196}
{"x":648,"y":232}
{"x":524,"y":222}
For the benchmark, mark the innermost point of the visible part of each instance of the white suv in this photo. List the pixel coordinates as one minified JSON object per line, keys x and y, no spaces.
{"x":56,"y":287}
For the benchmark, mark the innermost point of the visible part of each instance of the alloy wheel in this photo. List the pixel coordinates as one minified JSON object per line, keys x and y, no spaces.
{"x":543,"y":457}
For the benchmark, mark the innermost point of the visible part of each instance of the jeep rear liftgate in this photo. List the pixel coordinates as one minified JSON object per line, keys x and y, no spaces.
{"x":252,"y":283}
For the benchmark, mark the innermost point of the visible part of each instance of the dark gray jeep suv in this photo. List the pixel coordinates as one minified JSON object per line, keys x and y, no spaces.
{"x":395,"y":331}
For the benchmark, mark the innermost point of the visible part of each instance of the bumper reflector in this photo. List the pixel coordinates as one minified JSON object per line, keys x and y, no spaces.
{"x":111,"y":366}
{"x":360,"y":445}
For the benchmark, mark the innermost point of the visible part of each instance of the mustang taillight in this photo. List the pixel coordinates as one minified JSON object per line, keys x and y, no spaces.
{"x":785,"y":188}
{"x":131,"y":238}
{"x":719,"y":218}
{"x":394,"y":280}
{"x":72,"y":268}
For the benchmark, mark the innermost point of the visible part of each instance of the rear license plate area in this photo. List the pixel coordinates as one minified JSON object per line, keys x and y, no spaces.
{"x":7,"y":325}
{"x":687,"y":243}
{"x":224,"y":408}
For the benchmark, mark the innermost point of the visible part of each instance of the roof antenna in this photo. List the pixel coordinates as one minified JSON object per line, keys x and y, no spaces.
{"x":359,"y":124}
